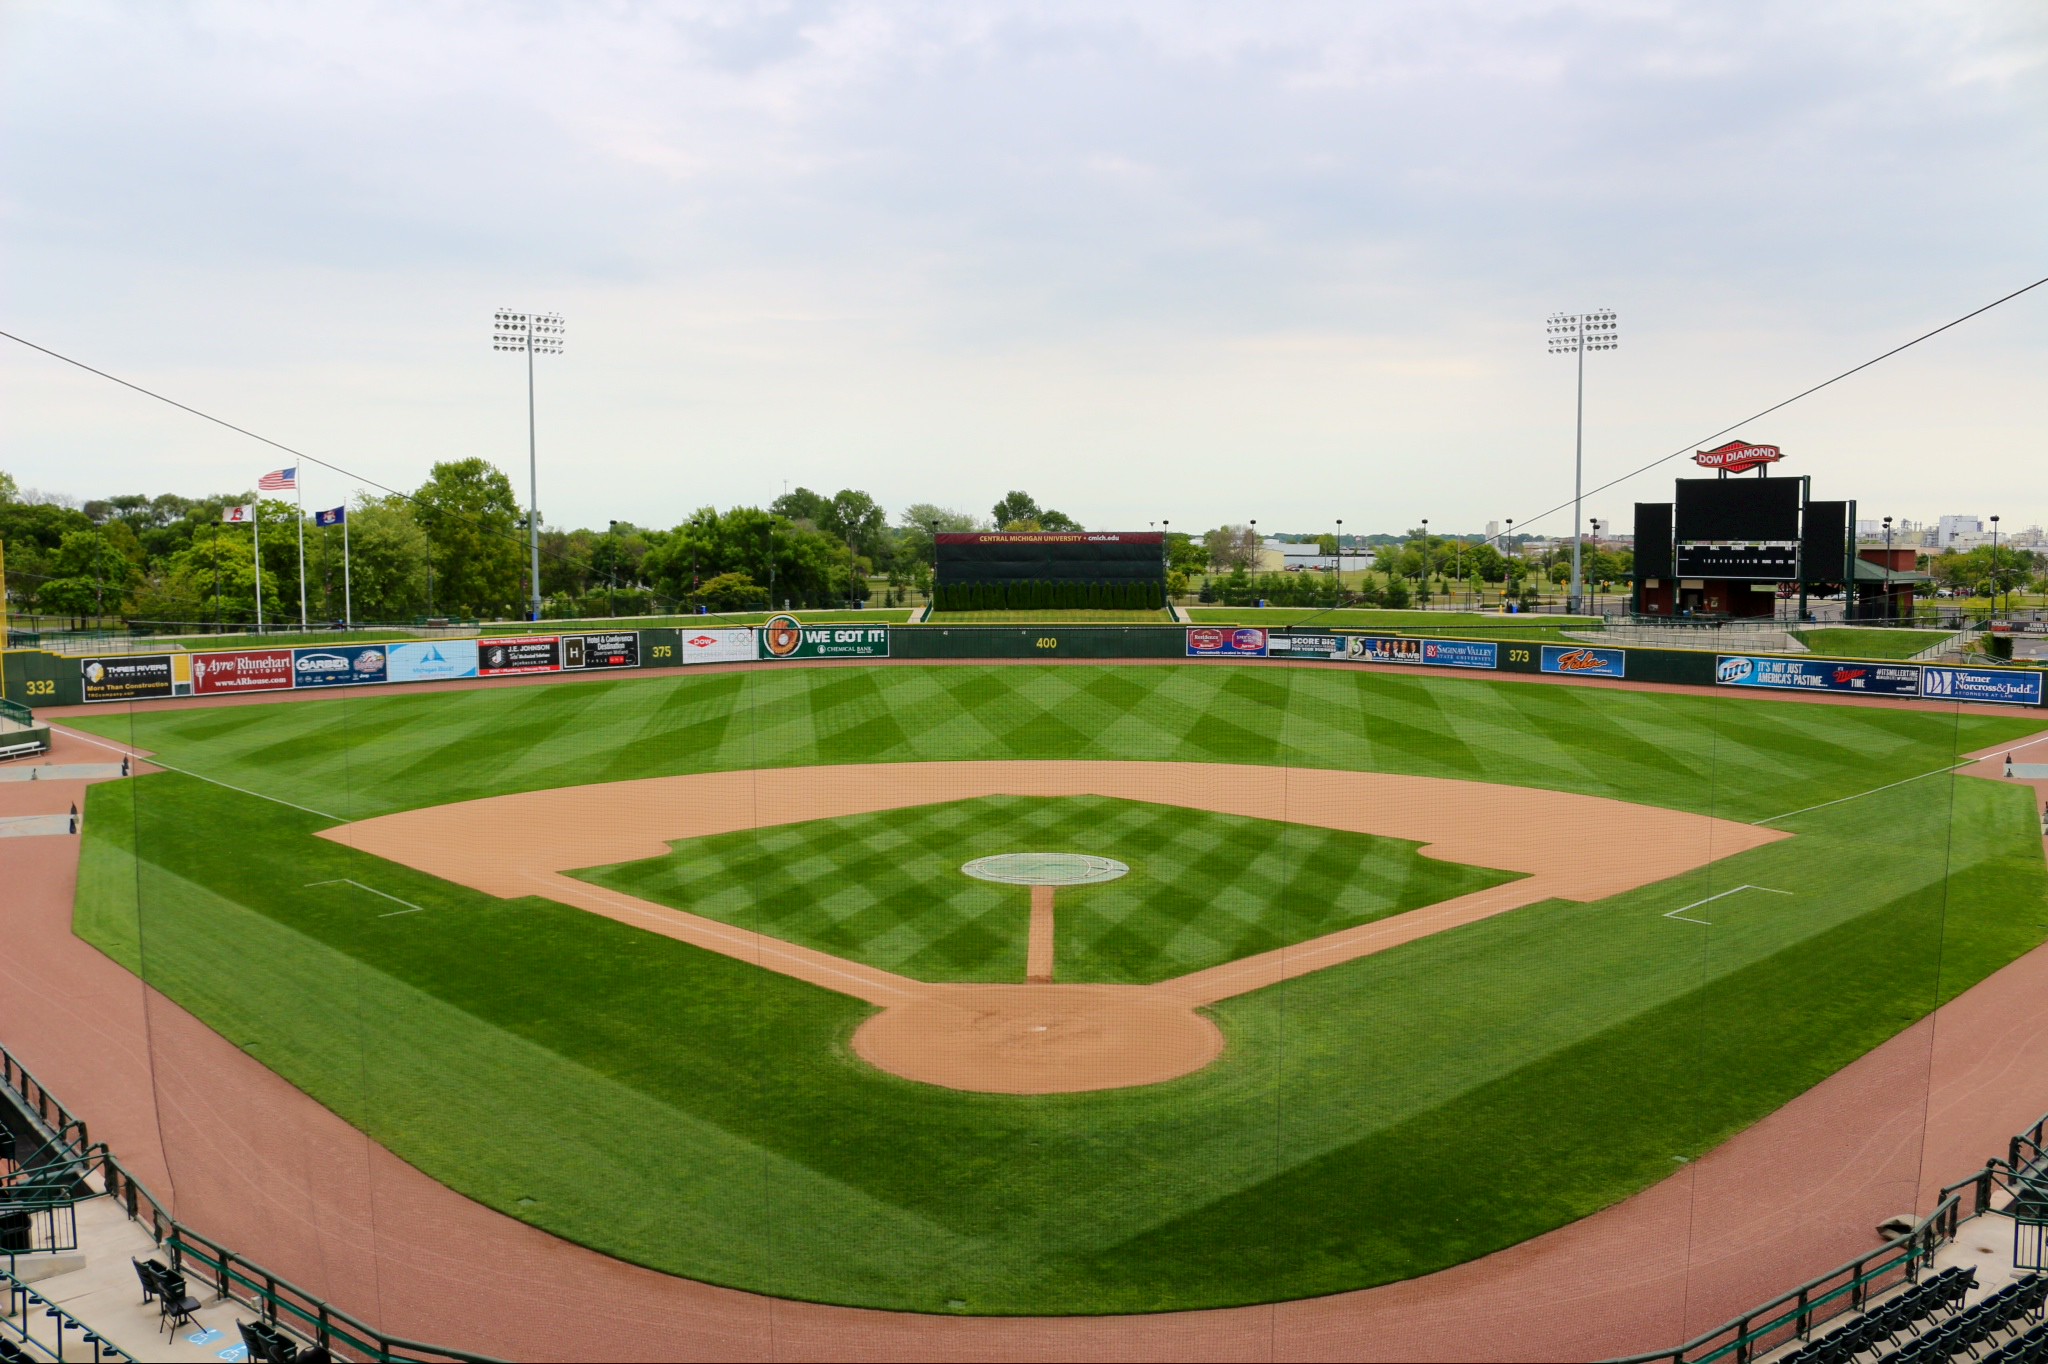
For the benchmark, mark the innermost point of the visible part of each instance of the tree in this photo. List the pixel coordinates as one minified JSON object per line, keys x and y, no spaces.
{"x":732,"y":592}
{"x":9,"y":489}
{"x":387,"y":562}
{"x":88,"y":576}
{"x":1016,"y":505}
{"x":471,"y":519}
{"x":1232,"y":547}
{"x":1185,"y":554}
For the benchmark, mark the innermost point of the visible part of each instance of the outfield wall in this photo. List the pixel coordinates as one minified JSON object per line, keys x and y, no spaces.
{"x":37,"y":678}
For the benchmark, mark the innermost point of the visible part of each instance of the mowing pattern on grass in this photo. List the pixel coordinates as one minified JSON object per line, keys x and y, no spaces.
{"x":1871,"y":642}
{"x":886,"y":889}
{"x":1370,"y":1122}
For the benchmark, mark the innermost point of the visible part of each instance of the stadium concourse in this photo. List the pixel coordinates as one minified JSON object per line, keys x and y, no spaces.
{"x":258,"y":1166}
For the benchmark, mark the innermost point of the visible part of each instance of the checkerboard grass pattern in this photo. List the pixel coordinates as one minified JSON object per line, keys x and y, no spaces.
{"x":886,"y":888}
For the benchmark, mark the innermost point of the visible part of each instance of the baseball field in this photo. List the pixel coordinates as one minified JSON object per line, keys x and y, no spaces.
{"x":1478,"y":958}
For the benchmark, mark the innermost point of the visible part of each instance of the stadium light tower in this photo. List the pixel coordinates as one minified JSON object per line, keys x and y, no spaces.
{"x":531,"y":334}
{"x":1575,"y":334}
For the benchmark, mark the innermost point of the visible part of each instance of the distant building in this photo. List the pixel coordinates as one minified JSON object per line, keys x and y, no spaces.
{"x":1493,"y":530}
{"x":1951,"y":528}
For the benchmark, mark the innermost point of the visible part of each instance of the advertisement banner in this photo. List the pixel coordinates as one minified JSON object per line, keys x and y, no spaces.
{"x":786,"y":637}
{"x":614,"y":649}
{"x":1216,"y":641}
{"x":351,"y":666}
{"x":1305,"y":646}
{"x":1802,"y":674}
{"x":1564,"y":658}
{"x":126,"y":678}
{"x":1983,"y":684}
{"x":519,"y":654}
{"x":434,"y":660}
{"x":242,"y":670}
{"x":720,"y":646}
{"x":1430,"y":653}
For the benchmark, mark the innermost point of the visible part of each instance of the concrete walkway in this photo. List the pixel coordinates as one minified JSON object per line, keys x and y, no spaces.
{"x":62,"y":772}
{"x":97,"y":1285}
{"x":35,"y":826}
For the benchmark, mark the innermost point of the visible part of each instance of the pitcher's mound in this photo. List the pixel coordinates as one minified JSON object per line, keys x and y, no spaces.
{"x":1038,"y":1039}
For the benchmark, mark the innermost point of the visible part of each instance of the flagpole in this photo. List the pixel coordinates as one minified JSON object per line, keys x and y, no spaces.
{"x":256,"y":526}
{"x":299,"y":486}
{"x":348,"y":608}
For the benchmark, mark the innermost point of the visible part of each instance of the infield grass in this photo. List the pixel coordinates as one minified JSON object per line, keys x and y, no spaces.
{"x":886,"y":888}
{"x":1376,"y":1120}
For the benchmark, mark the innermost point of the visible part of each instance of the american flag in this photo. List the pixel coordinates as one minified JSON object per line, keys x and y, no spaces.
{"x":278,"y":479}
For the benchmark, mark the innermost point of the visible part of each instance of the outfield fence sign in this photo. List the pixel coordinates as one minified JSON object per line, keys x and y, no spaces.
{"x":436,"y":660}
{"x":1804,"y":674}
{"x":786,"y":637}
{"x":1428,"y":653}
{"x":242,"y":670}
{"x":1294,"y":645}
{"x":1210,"y":641}
{"x":125,"y":677}
{"x":613,"y":649}
{"x":355,"y":666}
{"x":1995,"y":685}
{"x":720,"y":646}
{"x":519,"y":654}
{"x":1577,"y":661}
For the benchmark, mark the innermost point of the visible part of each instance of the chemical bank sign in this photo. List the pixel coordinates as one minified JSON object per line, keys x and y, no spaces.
{"x":787,"y":637}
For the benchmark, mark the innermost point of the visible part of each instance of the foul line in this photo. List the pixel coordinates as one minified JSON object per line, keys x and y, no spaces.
{"x":1679,"y":913}
{"x":158,"y":762}
{"x":1952,"y":767}
{"x":410,"y":907}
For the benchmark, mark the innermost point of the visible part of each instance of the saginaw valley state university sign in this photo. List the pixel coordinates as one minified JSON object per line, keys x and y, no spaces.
{"x":1737,"y":457}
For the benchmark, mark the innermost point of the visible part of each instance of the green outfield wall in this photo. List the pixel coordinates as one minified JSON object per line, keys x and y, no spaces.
{"x":37,"y":678}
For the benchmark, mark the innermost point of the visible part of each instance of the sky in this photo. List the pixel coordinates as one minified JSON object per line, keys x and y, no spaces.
{"x":1191,"y":262}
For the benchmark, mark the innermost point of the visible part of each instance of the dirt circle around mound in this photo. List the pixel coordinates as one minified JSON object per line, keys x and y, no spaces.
{"x":1039,"y":1039}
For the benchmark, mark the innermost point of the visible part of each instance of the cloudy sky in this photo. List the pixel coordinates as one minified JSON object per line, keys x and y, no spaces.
{"x":1195,"y":261}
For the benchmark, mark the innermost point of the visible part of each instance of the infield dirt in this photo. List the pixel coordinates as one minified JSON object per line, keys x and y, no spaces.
{"x":1049,"y":1038}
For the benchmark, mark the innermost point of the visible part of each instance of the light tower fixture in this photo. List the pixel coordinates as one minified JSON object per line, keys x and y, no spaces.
{"x":529,"y":334}
{"x":1575,"y":334}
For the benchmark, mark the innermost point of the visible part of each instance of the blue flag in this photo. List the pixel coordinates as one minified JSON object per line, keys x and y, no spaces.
{"x":333,"y":516}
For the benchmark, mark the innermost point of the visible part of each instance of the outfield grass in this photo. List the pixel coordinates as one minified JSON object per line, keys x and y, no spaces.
{"x":1870,"y":641}
{"x":887,"y":889}
{"x":1462,"y":623}
{"x":1050,"y":617}
{"x":1377,"y":1120}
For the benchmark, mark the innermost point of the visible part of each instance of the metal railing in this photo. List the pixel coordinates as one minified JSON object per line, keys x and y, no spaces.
{"x":1847,"y":1288}
{"x":25,"y":1303}
{"x":277,"y":1299}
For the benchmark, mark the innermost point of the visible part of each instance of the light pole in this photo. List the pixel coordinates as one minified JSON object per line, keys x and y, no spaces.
{"x":1575,"y":334}
{"x":1994,"y":566}
{"x":1595,"y":523}
{"x":1424,"y":576}
{"x":611,"y":568}
{"x":529,"y":334}
{"x":1887,"y":568}
{"x":1340,"y":552}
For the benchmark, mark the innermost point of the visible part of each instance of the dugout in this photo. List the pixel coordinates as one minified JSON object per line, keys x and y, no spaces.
{"x":1735,"y":548}
{"x":1050,"y":570}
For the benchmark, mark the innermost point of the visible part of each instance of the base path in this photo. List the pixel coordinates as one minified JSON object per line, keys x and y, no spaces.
{"x":1050,"y":1039}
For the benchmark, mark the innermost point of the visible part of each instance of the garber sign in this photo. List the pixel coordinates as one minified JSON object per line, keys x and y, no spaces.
{"x":1737,"y":457}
